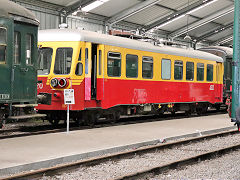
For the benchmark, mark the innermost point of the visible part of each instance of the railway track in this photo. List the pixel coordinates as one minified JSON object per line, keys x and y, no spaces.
{"x":195,"y":157}
{"x":45,"y":129}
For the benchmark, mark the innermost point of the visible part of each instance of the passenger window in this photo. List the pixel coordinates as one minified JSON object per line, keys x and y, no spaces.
{"x":29,"y":49}
{"x":200,"y":71}
{"x":44,"y":60}
{"x":86,"y":61}
{"x":209,"y":72}
{"x":3,"y":45}
{"x":190,"y":71}
{"x":79,"y":69}
{"x":17,"y":41}
{"x":178,"y":70}
{"x":147,"y":67}
{"x":114,"y":64}
{"x":63,"y":61}
{"x":166,"y":69}
{"x":100,"y":62}
{"x":131,"y":66}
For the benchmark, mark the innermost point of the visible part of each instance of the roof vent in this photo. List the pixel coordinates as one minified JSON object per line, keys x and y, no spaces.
{"x":63,"y":26}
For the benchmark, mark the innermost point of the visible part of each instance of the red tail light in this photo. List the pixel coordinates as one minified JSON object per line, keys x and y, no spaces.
{"x":62,"y":82}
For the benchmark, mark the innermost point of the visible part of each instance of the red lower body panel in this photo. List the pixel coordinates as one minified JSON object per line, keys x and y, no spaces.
{"x":114,"y":92}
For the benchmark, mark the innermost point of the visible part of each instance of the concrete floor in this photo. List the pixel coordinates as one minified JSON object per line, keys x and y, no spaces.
{"x":34,"y":152}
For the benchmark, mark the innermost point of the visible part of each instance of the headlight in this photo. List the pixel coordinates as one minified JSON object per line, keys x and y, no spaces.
{"x":54,"y":82}
{"x":62,"y":82}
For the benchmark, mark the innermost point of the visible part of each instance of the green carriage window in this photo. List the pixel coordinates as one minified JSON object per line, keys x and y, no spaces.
{"x":147,"y":67}
{"x":3,"y":45}
{"x":178,"y":70}
{"x":63,"y":61}
{"x":190,"y":71}
{"x":114,"y":64}
{"x":44,"y":60}
{"x":166,"y":69}
{"x":200,"y":71}
{"x":131,"y":66}
{"x":17,"y":41}
{"x":209,"y":72}
{"x":29,"y":49}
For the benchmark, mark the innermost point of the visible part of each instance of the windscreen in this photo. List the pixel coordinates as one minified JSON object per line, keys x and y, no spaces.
{"x":63,"y":61}
{"x":44,"y":60}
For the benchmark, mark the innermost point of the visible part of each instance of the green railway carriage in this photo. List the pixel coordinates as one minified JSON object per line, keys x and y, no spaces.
{"x":18,"y":56}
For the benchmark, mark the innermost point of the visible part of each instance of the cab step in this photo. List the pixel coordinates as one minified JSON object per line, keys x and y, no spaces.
{"x":29,"y":116}
{"x":24,"y":105}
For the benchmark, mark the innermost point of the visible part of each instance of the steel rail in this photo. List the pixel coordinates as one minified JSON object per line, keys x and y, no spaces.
{"x":180,"y":163}
{"x":116,"y":156}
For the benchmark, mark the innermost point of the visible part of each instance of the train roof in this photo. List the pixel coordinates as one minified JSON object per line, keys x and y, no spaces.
{"x":89,"y":36}
{"x":10,"y":9}
{"x":226,"y":50}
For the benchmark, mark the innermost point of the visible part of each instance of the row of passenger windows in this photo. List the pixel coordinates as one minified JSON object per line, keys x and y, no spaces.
{"x":114,"y":68}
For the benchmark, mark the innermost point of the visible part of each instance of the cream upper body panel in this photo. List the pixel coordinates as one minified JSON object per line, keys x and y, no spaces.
{"x":53,"y":35}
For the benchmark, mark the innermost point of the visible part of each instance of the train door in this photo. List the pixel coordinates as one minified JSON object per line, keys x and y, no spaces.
{"x":24,"y":65}
{"x":94,"y":72}
{"x":5,"y":60}
{"x":88,"y":60}
{"x":91,"y":71}
{"x":218,"y":80}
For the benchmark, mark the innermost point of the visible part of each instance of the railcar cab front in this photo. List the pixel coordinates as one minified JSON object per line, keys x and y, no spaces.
{"x":68,"y":65}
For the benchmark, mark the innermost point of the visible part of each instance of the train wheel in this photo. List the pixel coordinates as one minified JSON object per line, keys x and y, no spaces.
{"x":202,"y":109}
{"x":217,"y":106}
{"x":117,"y":115}
{"x":54,"y":122}
{"x":188,"y":113}
{"x":90,"y":118}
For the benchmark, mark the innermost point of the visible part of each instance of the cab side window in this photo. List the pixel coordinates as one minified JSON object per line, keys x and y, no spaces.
{"x":79,"y":67}
{"x":114,"y":64}
{"x":3,"y":45}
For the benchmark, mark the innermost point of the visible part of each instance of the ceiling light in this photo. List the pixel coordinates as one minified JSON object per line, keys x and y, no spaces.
{"x":94,"y":5}
{"x":178,"y":17}
{"x":202,"y":6}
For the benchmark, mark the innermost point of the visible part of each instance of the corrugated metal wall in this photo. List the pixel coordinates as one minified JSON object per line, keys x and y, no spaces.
{"x":80,"y":23}
{"x":49,"y":19}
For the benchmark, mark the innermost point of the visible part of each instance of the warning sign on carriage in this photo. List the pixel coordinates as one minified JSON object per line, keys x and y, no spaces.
{"x":69,"y":96}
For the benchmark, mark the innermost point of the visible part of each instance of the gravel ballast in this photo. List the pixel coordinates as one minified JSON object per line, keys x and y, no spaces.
{"x":114,"y":169}
{"x":225,"y":167}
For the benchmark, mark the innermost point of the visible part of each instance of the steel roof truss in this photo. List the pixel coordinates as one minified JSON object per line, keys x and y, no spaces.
{"x":131,"y":11}
{"x":204,"y":21}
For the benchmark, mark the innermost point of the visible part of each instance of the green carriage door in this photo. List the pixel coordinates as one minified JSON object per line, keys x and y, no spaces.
{"x":5,"y":73}
{"x":24,"y":68}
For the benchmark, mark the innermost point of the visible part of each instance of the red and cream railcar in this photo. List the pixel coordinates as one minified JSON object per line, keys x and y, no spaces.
{"x":114,"y":75}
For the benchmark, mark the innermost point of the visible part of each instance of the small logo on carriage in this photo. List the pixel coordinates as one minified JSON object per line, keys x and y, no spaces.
{"x":211,"y":87}
{"x":4,"y":96}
